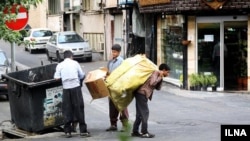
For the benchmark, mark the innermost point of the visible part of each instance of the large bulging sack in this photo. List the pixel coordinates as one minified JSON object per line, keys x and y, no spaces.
{"x":126,"y":78}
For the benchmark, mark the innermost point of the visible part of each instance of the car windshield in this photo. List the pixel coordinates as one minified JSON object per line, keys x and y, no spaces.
{"x":3,"y":59}
{"x":70,"y":38}
{"x":42,"y":33}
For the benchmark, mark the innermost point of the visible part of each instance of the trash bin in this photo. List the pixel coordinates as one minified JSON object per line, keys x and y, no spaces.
{"x":35,"y":98}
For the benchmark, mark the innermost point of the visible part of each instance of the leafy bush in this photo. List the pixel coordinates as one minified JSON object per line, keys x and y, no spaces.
{"x":204,"y":81}
{"x":212,"y":79}
{"x":193,"y":79}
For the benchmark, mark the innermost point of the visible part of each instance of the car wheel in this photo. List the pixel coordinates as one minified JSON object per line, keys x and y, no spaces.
{"x":31,"y":50}
{"x":59,"y":59}
{"x":48,"y":57}
{"x":25,"y":48}
{"x":89,"y":59}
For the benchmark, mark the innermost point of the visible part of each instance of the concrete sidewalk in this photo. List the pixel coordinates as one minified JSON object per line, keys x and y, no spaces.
{"x":196,"y":94}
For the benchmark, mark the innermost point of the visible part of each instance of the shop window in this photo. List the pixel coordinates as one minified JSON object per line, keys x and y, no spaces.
{"x":172,"y":33}
{"x":54,"y":7}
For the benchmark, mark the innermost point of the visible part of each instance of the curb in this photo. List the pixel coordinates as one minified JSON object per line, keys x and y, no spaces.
{"x":172,"y":89}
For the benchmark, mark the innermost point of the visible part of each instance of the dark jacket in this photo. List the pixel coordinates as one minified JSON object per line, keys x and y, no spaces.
{"x":153,"y":82}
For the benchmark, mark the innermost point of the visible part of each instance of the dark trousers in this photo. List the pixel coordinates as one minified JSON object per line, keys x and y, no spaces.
{"x":114,"y":113}
{"x":142,"y":113}
{"x":73,"y":105}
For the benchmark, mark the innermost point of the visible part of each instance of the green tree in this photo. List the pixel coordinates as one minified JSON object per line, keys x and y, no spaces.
{"x":5,"y":33}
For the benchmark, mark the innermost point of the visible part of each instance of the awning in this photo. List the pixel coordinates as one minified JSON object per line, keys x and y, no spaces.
{"x":195,"y":7}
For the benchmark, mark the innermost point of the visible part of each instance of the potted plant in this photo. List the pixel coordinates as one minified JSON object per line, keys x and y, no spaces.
{"x":181,"y":81}
{"x":185,"y":42}
{"x":203,"y":81}
{"x":194,"y":81}
{"x":243,"y":75}
{"x":191,"y":82}
{"x":212,"y":80}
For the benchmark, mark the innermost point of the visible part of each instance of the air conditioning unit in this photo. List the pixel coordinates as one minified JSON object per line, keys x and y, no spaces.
{"x":76,"y":8}
{"x":77,"y":2}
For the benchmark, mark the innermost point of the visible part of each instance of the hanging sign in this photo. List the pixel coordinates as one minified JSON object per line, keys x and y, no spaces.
{"x":152,"y":2}
{"x":215,"y":4}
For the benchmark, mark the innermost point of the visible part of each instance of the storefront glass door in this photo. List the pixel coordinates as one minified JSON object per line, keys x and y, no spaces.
{"x":235,"y":38}
{"x":209,"y":48}
{"x":222,"y":50}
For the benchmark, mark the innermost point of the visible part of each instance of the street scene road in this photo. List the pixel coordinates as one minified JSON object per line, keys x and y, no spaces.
{"x":175,"y":114}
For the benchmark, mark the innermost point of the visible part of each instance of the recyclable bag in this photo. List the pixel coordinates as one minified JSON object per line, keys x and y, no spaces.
{"x":126,"y":78}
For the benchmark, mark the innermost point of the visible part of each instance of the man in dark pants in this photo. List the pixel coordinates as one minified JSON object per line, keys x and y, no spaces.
{"x":113,"y":112}
{"x":142,"y":94}
{"x":70,"y":73}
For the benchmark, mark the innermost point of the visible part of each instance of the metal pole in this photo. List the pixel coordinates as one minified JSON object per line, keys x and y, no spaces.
{"x":185,"y":56}
{"x":13,"y":57}
{"x":71,"y":15}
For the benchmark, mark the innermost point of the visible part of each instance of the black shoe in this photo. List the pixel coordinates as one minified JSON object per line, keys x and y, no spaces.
{"x":112,"y":128}
{"x":68,"y":135}
{"x":74,"y":125}
{"x":136,"y":134}
{"x":73,"y":129}
{"x":147,"y":135}
{"x":85,"y":134}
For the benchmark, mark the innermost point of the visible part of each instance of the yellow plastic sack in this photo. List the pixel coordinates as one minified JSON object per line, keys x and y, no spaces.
{"x":125,"y":79}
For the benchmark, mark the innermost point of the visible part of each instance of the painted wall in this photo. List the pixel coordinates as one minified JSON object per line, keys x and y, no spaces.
{"x":108,"y":38}
{"x":191,"y":29}
{"x":37,"y":15}
{"x":92,"y":23}
{"x":111,"y":3}
{"x":55,"y":22}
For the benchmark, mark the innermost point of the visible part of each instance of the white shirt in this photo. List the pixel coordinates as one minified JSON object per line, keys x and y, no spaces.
{"x":70,"y":73}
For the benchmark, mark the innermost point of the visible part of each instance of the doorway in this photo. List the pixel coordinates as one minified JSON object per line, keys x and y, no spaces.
{"x":222,"y":50}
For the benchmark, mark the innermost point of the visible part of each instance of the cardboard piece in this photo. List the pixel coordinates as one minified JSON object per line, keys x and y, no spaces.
{"x":95,"y":83}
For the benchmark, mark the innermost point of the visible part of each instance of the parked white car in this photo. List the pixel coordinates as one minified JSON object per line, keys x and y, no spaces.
{"x":4,"y":69}
{"x":68,"y":40}
{"x":38,"y":38}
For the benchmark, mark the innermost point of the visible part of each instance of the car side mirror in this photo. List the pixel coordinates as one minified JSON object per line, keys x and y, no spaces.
{"x":53,"y":42}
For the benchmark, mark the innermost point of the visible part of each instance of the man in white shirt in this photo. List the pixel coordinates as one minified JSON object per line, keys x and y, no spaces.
{"x":70,"y":73}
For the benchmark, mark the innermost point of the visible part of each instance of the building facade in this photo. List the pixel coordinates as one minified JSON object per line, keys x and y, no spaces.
{"x":194,"y":36}
{"x":37,"y":15}
{"x":218,"y":32}
{"x":98,"y":21}
{"x":115,"y":27}
{"x":86,"y":17}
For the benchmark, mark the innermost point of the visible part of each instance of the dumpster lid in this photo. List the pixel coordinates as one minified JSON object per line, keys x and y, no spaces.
{"x":33,"y":77}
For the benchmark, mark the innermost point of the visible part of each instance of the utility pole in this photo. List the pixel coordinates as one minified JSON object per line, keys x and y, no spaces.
{"x":126,"y":5}
{"x":71,"y":15}
{"x":13,"y":58}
